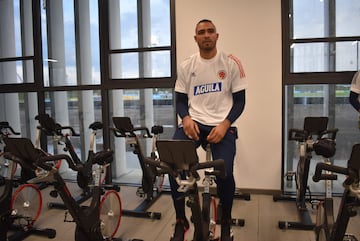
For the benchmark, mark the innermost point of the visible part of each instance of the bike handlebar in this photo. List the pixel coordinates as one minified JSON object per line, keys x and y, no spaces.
{"x":130,"y":133}
{"x":303,"y":135}
{"x":41,"y":162}
{"x":24,"y":164}
{"x":5,"y":125}
{"x":164,"y":167}
{"x":50,"y":127}
{"x":327,"y":167}
{"x":218,"y":165}
{"x":73,"y":132}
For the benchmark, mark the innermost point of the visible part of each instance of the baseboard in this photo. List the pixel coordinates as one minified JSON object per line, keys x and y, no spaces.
{"x":248,"y":191}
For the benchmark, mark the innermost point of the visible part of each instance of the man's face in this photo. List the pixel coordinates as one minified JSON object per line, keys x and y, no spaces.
{"x":206,"y":36}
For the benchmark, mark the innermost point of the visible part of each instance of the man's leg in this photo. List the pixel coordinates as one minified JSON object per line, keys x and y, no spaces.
{"x":226,"y":150}
{"x":182,"y":224}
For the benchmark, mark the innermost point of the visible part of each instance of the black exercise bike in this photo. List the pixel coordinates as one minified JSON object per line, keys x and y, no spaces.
{"x":19,"y":210}
{"x":6,"y":131}
{"x":326,"y":229}
{"x":179,"y":159}
{"x":101,"y":219}
{"x":314,"y":134}
{"x":61,"y":135}
{"x":152,"y":181}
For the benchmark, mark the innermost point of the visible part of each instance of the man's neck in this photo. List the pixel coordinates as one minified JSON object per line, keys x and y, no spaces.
{"x":208,"y":54}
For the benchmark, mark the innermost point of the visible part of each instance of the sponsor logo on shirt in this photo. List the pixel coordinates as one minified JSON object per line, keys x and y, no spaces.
{"x":207,"y":88}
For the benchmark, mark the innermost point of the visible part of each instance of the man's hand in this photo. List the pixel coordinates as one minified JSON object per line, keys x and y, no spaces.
{"x":191,"y":128}
{"x":218,"y":132}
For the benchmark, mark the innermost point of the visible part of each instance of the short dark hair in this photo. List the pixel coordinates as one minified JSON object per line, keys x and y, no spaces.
{"x":203,"y":21}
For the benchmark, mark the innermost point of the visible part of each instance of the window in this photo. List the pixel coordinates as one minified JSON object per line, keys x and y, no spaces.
{"x":85,"y":61}
{"x":320,"y":55}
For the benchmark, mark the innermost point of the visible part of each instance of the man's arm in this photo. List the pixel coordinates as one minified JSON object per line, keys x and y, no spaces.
{"x":219,"y":131}
{"x":238,"y":106}
{"x":191,"y":129}
{"x":182,"y":104}
{"x":354,"y":100}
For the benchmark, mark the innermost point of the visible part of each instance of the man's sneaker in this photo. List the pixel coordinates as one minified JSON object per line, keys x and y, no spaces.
{"x":181,"y":227}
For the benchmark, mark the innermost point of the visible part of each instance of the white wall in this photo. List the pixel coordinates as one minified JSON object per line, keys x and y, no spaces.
{"x":251,"y":30}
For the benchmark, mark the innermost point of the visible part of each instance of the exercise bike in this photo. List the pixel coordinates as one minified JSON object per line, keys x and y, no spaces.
{"x":207,"y":183}
{"x":101,"y":219}
{"x":326,"y":229}
{"x":19,"y":210}
{"x":152,"y":181}
{"x":6,"y":131}
{"x":61,"y":135}
{"x":178,"y":158}
{"x":315,"y":130}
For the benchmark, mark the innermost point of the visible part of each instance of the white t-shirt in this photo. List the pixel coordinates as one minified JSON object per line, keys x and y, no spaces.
{"x":209,"y":84}
{"x":355,"y":83}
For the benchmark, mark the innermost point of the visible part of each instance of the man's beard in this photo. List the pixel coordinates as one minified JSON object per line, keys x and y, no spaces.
{"x":207,"y":46}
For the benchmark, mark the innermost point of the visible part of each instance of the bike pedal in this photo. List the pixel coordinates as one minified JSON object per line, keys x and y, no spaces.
{"x":54,"y":193}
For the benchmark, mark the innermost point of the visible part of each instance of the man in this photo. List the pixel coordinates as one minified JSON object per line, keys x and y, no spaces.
{"x":210,"y":96}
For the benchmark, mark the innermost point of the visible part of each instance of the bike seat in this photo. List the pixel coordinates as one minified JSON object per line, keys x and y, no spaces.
{"x":4,"y":124}
{"x":325,"y":148}
{"x":47,"y":124}
{"x":97,"y":125}
{"x":24,"y":149}
{"x":103,"y":157}
{"x":157,"y":129}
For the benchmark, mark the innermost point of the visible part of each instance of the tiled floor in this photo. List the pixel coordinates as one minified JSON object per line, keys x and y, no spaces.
{"x":261,"y":216}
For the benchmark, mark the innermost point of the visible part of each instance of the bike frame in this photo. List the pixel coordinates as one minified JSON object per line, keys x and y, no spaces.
{"x":178,"y":158}
{"x":87,"y":219}
{"x":327,"y":229}
{"x":150,"y":188}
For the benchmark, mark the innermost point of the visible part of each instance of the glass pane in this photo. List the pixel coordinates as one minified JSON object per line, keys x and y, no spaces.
{"x":325,"y":57}
{"x":124,"y":65}
{"x":157,"y":64}
{"x":347,"y":18}
{"x":77,"y":109}
{"x":123,"y":24}
{"x":145,"y":108}
{"x":311,"y":57}
{"x":312,"y":19}
{"x":347,"y":56}
{"x":308,"y":19}
{"x":17,"y":72}
{"x":71,"y":50}
{"x":160,"y":23}
{"x":124,"y":30}
{"x":16,"y":29}
{"x":320,"y":100}
{"x":20,"y":109}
